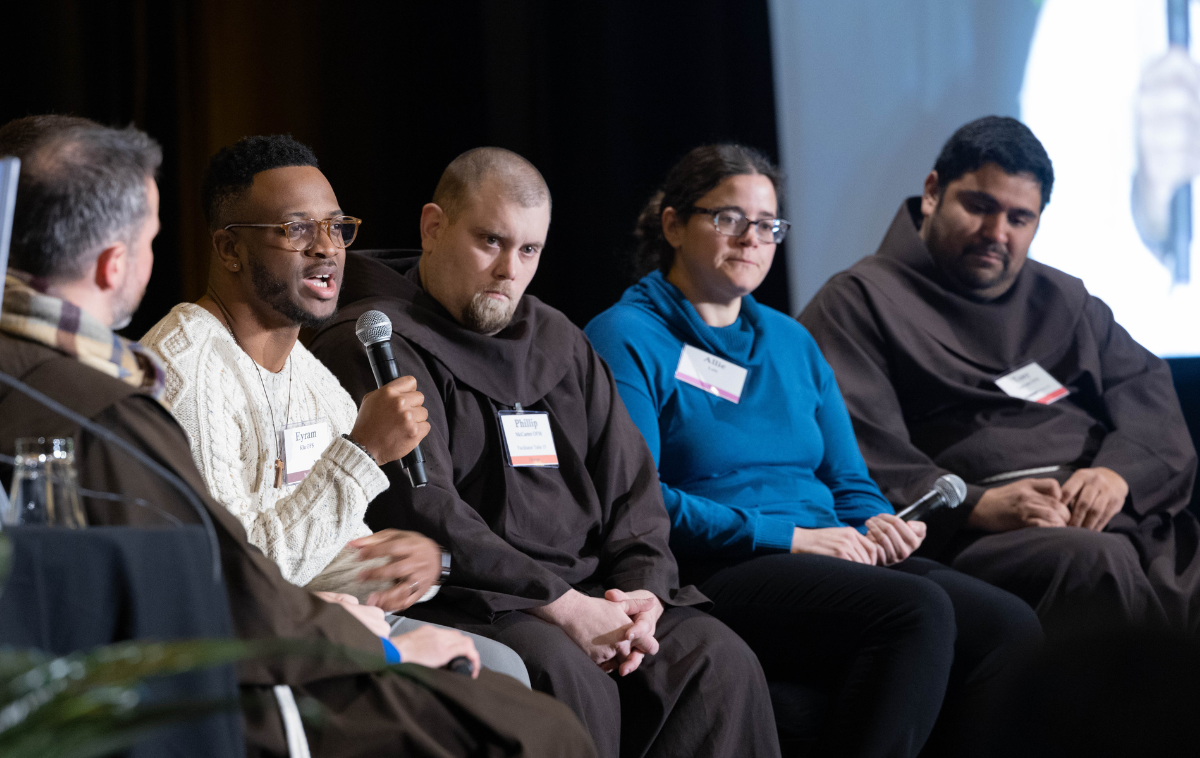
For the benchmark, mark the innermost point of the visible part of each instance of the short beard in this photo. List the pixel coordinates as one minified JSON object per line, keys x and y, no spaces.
{"x":970,"y":279}
{"x":124,"y":307}
{"x":274,"y":292}
{"x":486,"y":315}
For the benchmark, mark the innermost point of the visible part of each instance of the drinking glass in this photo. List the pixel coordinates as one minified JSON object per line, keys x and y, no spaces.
{"x":44,"y":490}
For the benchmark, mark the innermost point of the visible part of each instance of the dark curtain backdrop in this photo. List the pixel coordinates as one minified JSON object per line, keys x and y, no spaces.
{"x":602,"y":97}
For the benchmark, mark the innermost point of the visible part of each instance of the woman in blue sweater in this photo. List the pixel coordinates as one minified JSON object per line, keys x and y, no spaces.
{"x":773,"y":512}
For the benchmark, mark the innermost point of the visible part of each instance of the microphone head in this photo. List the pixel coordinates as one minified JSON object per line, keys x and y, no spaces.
{"x":952,"y":488}
{"x":373,"y":327}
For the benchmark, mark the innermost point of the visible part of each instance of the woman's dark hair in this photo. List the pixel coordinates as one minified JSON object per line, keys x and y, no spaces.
{"x":689,"y":180}
{"x":995,"y":139}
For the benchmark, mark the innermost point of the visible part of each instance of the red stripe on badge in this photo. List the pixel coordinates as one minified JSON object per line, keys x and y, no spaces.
{"x":1055,"y":395}
{"x":535,"y":460}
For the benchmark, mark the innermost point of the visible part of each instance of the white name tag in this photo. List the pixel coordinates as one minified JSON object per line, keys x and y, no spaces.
{"x":710,"y":373}
{"x":528,"y":439}
{"x":301,"y":446}
{"x":1033,"y":383}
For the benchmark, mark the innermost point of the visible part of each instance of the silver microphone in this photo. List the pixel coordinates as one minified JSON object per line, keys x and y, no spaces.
{"x":948,"y":492}
{"x":374,"y":331}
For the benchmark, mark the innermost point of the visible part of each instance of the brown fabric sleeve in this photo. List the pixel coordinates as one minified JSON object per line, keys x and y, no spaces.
{"x":635,"y":554}
{"x":262,"y":603}
{"x":1148,"y":443}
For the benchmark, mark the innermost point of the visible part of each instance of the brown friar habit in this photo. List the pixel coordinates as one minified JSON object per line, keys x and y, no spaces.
{"x":367,"y":712}
{"x":521,"y":537}
{"x":916,"y":363}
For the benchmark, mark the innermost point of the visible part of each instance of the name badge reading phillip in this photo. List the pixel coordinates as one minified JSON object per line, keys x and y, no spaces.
{"x":1033,"y":383}
{"x":301,"y":446}
{"x":710,"y":373}
{"x":528,"y":439}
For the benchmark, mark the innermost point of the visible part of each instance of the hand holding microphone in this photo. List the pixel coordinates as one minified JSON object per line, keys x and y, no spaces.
{"x":392,"y":420}
{"x":901,"y":534}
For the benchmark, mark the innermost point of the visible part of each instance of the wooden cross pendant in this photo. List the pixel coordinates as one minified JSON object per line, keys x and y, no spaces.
{"x":278,"y":473}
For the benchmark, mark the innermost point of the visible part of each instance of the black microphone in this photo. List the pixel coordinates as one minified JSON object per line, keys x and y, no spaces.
{"x":374,"y":330}
{"x":948,"y":492}
{"x":460,"y":664}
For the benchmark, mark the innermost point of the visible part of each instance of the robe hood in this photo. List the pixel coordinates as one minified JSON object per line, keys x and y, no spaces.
{"x":664,"y":301}
{"x":1033,"y":321}
{"x":512,"y":366}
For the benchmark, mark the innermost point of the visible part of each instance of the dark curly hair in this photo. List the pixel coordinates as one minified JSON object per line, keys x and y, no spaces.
{"x":689,"y":180}
{"x":995,"y":139}
{"x":231,"y":171}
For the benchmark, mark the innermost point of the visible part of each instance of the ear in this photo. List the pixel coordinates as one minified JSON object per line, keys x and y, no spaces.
{"x":112,"y":266}
{"x":226,"y":252}
{"x":672,"y":227}
{"x":433,"y":222}
{"x":931,"y":195}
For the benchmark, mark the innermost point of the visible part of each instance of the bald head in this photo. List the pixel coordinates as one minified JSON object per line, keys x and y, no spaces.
{"x":507,"y":173}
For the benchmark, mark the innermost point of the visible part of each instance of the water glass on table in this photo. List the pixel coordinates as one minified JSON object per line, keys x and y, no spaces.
{"x":44,"y":490}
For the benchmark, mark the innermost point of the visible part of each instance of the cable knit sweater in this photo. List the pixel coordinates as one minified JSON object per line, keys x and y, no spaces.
{"x":216,"y":392}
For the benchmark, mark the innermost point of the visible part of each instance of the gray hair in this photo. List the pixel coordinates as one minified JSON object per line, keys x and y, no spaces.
{"x":81,"y":189}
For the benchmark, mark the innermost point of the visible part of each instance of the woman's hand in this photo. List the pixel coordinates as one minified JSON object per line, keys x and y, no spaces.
{"x":898,"y":538}
{"x":837,"y":542}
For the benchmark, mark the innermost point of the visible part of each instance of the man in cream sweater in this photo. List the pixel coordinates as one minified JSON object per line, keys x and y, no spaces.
{"x":279,"y":442}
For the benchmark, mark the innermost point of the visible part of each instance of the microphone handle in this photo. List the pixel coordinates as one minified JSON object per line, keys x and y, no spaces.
{"x":929,"y":502}
{"x":383,"y":366}
{"x":460,"y":665}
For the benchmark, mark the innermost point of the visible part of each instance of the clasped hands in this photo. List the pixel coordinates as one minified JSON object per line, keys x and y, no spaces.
{"x":888,"y":540}
{"x":616,"y":631}
{"x":1088,"y":499}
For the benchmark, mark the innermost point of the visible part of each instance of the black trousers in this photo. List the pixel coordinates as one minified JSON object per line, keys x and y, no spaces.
{"x":890,"y":646}
{"x":1077,"y":580}
{"x":702,"y":694}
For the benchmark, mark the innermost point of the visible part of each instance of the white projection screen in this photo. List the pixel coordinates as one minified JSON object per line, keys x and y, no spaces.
{"x":1081,"y":79}
{"x":867,"y":92}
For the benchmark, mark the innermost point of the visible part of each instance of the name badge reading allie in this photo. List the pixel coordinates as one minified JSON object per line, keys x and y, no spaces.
{"x":710,"y":373}
{"x":1033,"y":383}
{"x":301,"y":446}
{"x":528,"y":439}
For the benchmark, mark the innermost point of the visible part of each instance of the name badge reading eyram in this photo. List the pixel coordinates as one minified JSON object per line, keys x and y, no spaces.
{"x":1033,"y":383}
{"x":301,"y":446}
{"x":528,"y":440}
{"x":710,"y":373}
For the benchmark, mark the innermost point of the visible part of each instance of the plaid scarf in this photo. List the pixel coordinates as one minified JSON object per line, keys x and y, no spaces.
{"x":31,"y":314}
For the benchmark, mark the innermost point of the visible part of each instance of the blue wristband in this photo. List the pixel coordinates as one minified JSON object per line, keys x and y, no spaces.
{"x":389,"y":651}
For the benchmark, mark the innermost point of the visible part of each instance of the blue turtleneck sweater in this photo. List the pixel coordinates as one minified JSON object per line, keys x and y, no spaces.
{"x":736,"y":478}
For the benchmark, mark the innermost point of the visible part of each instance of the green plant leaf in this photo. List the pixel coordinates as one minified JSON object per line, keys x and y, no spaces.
{"x":90,"y":703}
{"x":5,"y":558}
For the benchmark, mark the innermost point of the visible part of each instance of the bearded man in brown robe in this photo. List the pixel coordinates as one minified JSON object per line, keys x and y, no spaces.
{"x":956,"y":354}
{"x":560,"y":547}
{"x":87,"y":212}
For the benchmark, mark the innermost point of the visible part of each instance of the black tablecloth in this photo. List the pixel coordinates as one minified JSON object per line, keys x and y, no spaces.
{"x":72,"y":590}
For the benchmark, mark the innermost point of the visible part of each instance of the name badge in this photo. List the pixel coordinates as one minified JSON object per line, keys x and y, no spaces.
{"x":528,"y":439}
{"x":301,"y":446}
{"x":1033,"y":383}
{"x":710,"y":373}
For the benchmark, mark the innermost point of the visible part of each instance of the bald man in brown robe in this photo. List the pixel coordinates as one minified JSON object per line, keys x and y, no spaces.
{"x":68,"y":352}
{"x":567,"y":563}
{"x":955,"y":354}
